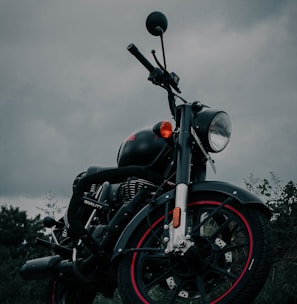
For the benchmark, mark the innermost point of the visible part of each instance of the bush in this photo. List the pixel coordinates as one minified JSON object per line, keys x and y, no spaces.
{"x":282,"y":199}
{"x":17,"y":235}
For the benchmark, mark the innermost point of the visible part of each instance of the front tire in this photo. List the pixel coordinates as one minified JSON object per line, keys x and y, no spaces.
{"x":229,"y":263}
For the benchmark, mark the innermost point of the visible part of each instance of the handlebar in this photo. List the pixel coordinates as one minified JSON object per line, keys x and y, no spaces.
{"x":159,"y":76}
{"x":134,"y":51}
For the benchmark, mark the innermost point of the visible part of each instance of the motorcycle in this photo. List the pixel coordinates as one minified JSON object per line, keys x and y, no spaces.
{"x":152,"y":227}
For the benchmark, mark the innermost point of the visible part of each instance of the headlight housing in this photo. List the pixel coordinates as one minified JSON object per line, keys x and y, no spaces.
{"x":213,"y":128}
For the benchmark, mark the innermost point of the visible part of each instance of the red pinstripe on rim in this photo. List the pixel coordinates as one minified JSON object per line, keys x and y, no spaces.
{"x":132,"y":270}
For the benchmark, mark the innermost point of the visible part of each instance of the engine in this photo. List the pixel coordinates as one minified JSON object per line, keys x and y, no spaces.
{"x":131,"y":187}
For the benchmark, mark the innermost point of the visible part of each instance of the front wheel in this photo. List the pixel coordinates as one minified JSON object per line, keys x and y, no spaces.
{"x":228,"y":263}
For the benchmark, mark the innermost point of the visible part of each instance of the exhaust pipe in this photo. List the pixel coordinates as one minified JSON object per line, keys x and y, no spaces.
{"x":45,"y":268}
{"x":52,"y":266}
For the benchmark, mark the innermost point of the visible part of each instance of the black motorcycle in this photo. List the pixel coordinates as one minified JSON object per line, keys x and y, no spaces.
{"x":153,"y":227}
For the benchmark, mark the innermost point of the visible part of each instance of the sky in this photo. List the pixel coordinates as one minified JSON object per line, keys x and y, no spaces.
{"x":70,"y":92}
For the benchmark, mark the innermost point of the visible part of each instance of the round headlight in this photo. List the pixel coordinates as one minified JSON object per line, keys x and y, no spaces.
{"x":213,"y":128}
{"x":219,"y":132}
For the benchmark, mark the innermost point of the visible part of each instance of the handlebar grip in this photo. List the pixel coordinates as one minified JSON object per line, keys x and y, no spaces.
{"x":134,"y":51}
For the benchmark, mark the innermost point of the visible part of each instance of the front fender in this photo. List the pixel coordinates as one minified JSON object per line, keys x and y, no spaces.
{"x":241,"y":195}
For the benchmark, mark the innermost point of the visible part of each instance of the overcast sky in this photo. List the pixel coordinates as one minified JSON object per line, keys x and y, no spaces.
{"x":70,"y":92}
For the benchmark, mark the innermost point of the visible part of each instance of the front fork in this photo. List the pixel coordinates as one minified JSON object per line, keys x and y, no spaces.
{"x":179,"y":238}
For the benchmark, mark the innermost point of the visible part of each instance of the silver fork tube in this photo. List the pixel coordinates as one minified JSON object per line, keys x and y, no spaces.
{"x":178,"y":233}
{"x":178,"y":239}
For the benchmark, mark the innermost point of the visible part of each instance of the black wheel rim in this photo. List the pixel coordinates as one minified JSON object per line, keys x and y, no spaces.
{"x":210,"y":273}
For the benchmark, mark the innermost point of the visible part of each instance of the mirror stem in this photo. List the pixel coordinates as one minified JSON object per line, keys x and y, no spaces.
{"x":163,"y":51}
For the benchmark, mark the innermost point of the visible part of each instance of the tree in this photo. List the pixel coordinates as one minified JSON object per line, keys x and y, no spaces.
{"x":52,"y":207}
{"x":282,"y":200}
{"x":17,"y":235}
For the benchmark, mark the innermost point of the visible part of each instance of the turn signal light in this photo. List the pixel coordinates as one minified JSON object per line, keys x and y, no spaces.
{"x":164,"y":129}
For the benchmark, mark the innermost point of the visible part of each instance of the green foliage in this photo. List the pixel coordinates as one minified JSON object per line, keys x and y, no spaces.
{"x":17,"y":235}
{"x":282,"y":200}
{"x":100,"y":299}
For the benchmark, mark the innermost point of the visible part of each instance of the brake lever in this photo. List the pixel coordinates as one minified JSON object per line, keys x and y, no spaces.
{"x":166,"y":78}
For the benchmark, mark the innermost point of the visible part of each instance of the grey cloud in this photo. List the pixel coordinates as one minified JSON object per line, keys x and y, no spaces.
{"x":70,"y":92}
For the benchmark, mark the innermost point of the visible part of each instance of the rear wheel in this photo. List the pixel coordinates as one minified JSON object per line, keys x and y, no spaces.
{"x":67,"y":292}
{"x":228,"y":263}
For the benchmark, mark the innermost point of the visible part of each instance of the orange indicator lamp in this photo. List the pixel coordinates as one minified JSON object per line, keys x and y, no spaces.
{"x":176,"y":217}
{"x":164,"y":129}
